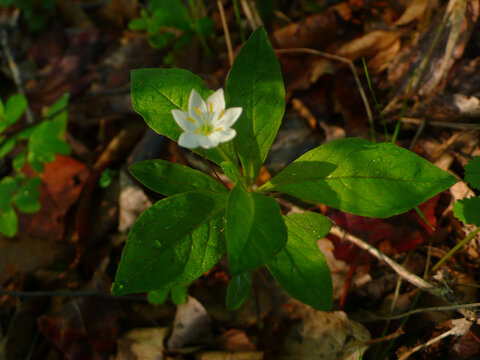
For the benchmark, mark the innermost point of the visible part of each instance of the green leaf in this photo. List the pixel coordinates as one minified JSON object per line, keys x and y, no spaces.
{"x":19,"y":161}
{"x":468,"y":210}
{"x":7,"y":146}
{"x":46,"y":141}
{"x":58,"y":113}
{"x":255,"y":230}
{"x":2,"y":111}
{"x":159,"y":41}
{"x":170,"y":13}
{"x":173,"y":242}
{"x":300,"y":268}
{"x":363,"y":178}
{"x":238,"y":290}
{"x":8,"y":221}
{"x":26,"y":198}
{"x":179,"y":294}
{"x":157,"y":297}
{"x":137,"y":24}
{"x":156,"y":92}
{"x":14,"y":108}
{"x":255,"y":84}
{"x":106,"y":177}
{"x":229,"y":169}
{"x":8,"y":185}
{"x":170,"y":178}
{"x":472,"y":172}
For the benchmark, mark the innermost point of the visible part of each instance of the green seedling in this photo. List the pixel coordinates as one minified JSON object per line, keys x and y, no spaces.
{"x":184,"y":235}
{"x":169,"y":22}
{"x":35,"y":145}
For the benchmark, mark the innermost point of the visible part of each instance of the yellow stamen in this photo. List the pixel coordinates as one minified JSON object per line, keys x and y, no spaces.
{"x":191,"y":120}
{"x":221,"y":114}
{"x":211,"y":108}
{"x":207,"y":133}
{"x":196,"y":131}
{"x":219,"y":129}
{"x":198,"y":111}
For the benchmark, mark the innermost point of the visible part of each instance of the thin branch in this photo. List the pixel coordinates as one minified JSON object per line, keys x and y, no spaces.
{"x":226,"y":31}
{"x":79,"y":293}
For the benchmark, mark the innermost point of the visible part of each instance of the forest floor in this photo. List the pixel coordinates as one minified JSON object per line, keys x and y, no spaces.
{"x":56,"y":273}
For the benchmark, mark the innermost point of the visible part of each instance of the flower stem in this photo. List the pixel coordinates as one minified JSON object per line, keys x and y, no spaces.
{"x":236,"y":168}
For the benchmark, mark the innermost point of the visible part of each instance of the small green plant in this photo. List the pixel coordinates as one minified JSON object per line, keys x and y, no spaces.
{"x":33,"y":11}
{"x":169,"y":21}
{"x":36,"y":144}
{"x":184,"y":235}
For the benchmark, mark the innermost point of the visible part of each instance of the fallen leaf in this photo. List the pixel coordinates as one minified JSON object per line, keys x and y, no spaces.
{"x":142,"y":344}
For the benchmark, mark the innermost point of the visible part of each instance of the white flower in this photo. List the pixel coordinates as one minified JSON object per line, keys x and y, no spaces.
{"x":206,"y":124}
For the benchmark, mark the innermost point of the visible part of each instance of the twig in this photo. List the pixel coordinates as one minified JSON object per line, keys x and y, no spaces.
{"x":226,"y":31}
{"x":435,"y":308}
{"x":400,"y":270}
{"x":79,"y":293}
{"x":14,"y":70}
{"x":460,"y":327}
{"x":336,"y":58}
{"x":451,"y":125}
{"x":248,"y":14}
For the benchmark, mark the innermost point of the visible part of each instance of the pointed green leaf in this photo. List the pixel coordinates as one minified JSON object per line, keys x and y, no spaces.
{"x":26,"y":198}
{"x":255,"y":84}
{"x":170,"y":178}
{"x":255,"y":230}
{"x":468,"y":210}
{"x":19,"y":161}
{"x":8,"y":221}
{"x":14,"y":108}
{"x":156,"y":92}
{"x":300,"y":268}
{"x":238,"y":290}
{"x":472,"y":172}
{"x":173,"y":242}
{"x":362,"y":178}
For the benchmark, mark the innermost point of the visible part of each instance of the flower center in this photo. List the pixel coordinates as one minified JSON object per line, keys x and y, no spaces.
{"x":206,"y":128}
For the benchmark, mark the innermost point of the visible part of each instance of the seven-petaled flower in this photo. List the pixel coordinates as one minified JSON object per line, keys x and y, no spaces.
{"x":206,"y":124}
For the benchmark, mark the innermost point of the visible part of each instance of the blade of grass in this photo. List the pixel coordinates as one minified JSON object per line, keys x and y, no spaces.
{"x":404,"y":106}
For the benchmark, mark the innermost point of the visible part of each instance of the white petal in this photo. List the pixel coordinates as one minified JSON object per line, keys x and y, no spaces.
{"x":186,"y":122}
{"x":229,"y":118}
{"x":227,"y":135}
{"x":188,"y":140}
{"x":217,"y":101}
{"x":196,"y":105}
{"x":207,"y":142}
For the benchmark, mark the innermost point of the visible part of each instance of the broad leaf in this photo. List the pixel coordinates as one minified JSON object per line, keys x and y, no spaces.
{"x":173,"y":242}
{"x":362,"y":178}
{"x":472,"y":172}
{"x":8,"y":185}
{"x":255,"y":84}
{"x":468,"y":210}
{"x":255,"y":230}
{"x":238,"y":290}
{"x":14,"y":108}
{"x":58,"y":112}
{"x":156,"y":92}
{"x":170,"y":178}
{"x":301,"y":268}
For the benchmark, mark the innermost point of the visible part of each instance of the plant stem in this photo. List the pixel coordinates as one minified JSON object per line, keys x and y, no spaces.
{"x":455,"y":248}
{"x":235,"y":165}
{"x":404,"y":106}
{"x":377,"y":105}
{"x":239,"y":20}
